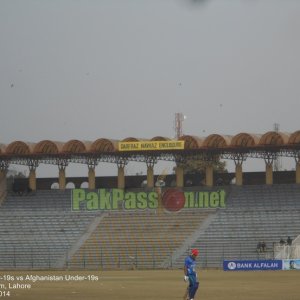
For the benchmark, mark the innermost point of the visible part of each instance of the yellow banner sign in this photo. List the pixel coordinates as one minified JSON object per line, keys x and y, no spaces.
{"x":151,"y":145}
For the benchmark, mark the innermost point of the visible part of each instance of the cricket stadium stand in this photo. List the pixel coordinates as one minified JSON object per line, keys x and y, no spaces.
{"x":253,"y":214}
{"x":39,"y":231}
{"x":138,"y":239}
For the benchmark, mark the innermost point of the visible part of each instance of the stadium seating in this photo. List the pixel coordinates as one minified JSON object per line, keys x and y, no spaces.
{"x":253,"y":214}
{"x":39,"y":231}
{"x":137,"y":239}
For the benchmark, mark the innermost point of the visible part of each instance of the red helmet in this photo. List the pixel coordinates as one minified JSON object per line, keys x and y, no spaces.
{"x":195,"y":252}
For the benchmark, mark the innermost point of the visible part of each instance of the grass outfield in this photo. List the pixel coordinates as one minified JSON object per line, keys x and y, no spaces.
{"x":154,"y":285}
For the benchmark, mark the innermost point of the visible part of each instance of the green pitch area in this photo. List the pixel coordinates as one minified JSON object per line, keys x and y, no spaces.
{"x":154,"y":285}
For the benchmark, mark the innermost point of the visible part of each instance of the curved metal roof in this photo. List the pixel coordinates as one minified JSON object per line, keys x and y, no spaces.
{"x":160,"y":138}
{"x":274,"y":138}
{"x":191,"y":141}
{"x":46,"y":147}
{"x":217,"y":141}
{"x":294,"y":138}
{"x":245,"y":140}
{"x":18,"y":147}
{"x":104,"y":145}
{"x":74,"y":146}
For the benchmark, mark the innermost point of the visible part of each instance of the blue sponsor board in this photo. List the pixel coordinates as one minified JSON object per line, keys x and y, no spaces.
{"x":252,"y":265}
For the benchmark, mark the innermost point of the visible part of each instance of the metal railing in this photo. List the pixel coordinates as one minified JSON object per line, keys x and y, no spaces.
{"x":152,"y":257}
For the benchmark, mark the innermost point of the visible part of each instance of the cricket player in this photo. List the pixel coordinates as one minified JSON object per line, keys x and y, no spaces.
{"x":190,"y":275}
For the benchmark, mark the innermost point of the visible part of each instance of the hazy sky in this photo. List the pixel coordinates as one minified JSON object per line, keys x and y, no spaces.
{"x":87,"y":69}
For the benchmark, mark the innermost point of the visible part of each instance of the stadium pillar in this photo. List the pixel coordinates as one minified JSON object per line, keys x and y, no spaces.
{"x":91,"y":164}
{"x":239,"y":174}
{"x":92,"y":184}
{"x":2,"y":175}
{"x":3,"y":182}
{"x":179,"y":176}
{"x":239,"y":158}
{"x":209,"y":177}
{"x":269,"y":173}
{"x":121,"y":163}
{"x":150,"y":162}
{"x":62,"y":179}
{"x":32,"y":179}
{"x":62,"y":164}
{"x":32,"y":165}
{"x":150,"y":177}
{"x":121,"y":177}
{"x":298,"y":172}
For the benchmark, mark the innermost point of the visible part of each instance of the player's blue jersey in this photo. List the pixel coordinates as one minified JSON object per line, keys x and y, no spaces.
{"x":190,"y":265}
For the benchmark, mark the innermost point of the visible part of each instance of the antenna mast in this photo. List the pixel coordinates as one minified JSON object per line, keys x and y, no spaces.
{"x":277,"y":164}
{"x":179,"y":118}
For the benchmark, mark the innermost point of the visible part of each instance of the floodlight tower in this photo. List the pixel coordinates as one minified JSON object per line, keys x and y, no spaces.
{"x":179,"y":118}
{"x":277,"y":164}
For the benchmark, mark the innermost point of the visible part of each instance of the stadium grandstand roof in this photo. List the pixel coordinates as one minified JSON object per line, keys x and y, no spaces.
{"x":276,"y":140}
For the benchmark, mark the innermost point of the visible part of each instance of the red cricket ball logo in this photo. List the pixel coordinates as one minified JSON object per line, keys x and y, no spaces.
{"x":173,"y":200}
